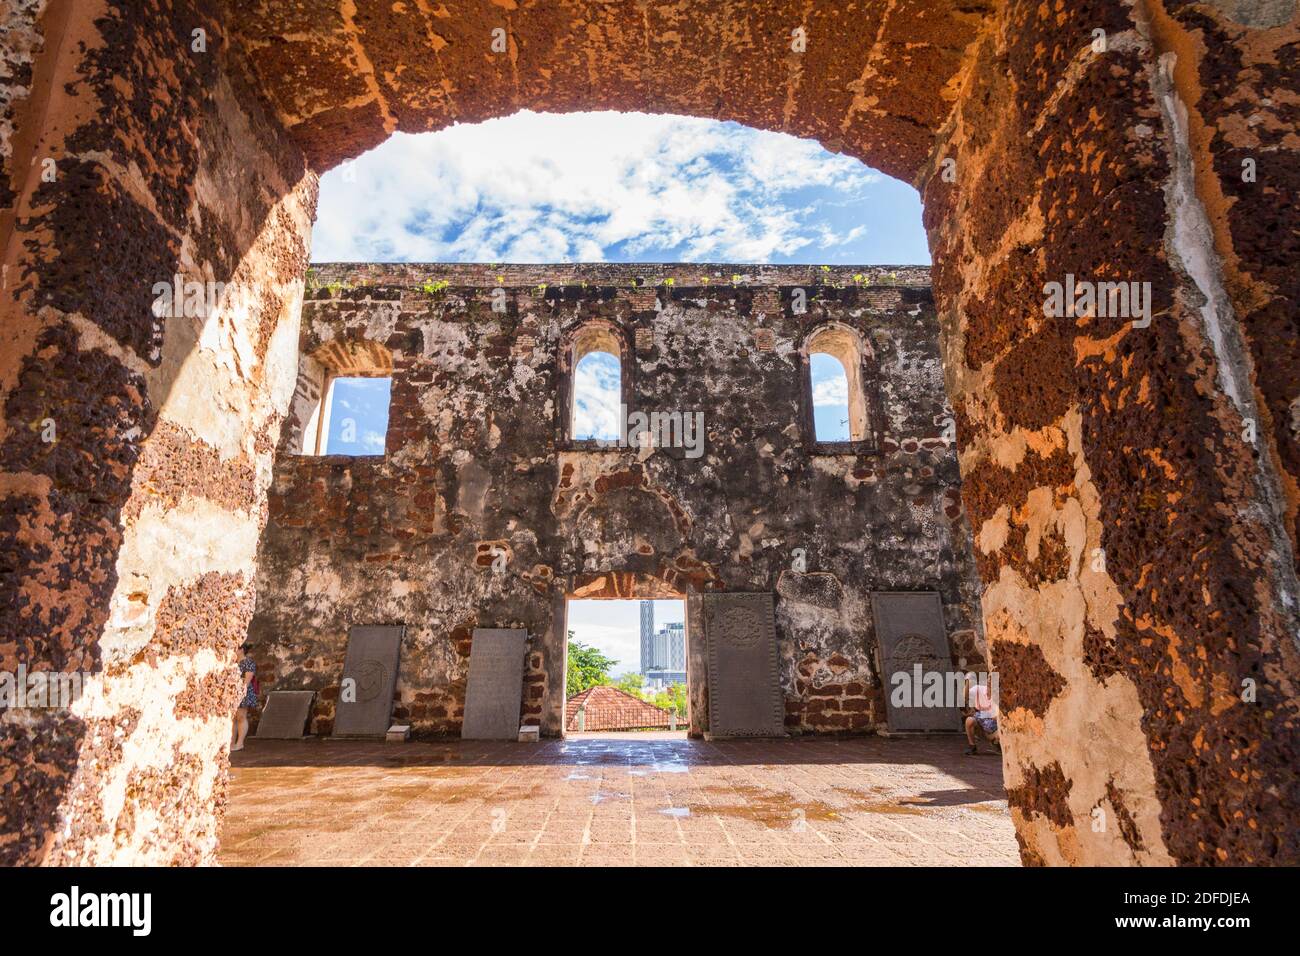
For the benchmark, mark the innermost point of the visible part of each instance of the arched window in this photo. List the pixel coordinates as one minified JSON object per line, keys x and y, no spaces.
{"x":344,"y":389}
{"x":836,"y":400}
{"x":596,"y":406}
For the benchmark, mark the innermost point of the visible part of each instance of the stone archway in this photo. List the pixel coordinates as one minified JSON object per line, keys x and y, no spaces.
{"x":1133,"y":488}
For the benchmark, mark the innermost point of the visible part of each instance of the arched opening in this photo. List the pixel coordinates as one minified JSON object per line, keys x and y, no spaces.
{"x":597,"y":408}
{"x":834,"y":388}
{"x":524,"y":389}
{"x":341,"y":400}
{"x":1042,"y":155}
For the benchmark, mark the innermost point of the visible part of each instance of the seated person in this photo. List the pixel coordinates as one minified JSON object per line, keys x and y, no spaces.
{"x":984,"y":719}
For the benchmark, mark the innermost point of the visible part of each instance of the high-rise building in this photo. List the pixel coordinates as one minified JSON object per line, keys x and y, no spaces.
{"x":647,"y":635}
{"x":666,"y":663}
{"x":676,"y":646}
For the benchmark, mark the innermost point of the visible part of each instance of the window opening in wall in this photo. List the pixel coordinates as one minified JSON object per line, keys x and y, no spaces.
{"x":596,"y":411}
{"x":830,"y":394}
{"x":835,"y":386}
{"x":597,"y":396}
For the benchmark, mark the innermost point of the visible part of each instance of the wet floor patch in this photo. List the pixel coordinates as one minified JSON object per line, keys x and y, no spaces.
{"x":601,"y":801}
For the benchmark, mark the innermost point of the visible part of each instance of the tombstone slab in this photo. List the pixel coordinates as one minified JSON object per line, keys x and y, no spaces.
{"x":745,"y":698}
{"x":495,"y":688}
{"x":285,"y":715}
{"x":371,"y":666}
{"x":911,"y":633}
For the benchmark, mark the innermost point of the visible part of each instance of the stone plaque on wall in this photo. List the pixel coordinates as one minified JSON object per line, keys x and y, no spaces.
{"x":365,"y":704}
{"x":285,"y":715}
{"x":910,"y":632}
{"x":745,"y":698}
{"x":495,"y":688}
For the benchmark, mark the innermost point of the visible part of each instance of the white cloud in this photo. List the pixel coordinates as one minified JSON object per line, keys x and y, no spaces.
{"x":833,"y":391}
{"x":548,"y":188}
{"x":596,"y":394}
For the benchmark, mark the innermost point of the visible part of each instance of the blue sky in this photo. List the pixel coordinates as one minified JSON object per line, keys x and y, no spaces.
{"x":830,"y":388}
{"x":616,"y":187}
{"x":358,"y":418}
{"x":607,"y":187}
{"x":596,"y":397}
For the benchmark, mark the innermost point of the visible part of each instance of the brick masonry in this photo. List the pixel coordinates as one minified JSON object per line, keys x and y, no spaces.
{"x":478,"y":462}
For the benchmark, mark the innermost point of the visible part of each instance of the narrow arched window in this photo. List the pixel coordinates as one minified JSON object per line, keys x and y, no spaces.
{"x":342,"y":399}
{"x":834,"y":389}
{"x":596,"y":411}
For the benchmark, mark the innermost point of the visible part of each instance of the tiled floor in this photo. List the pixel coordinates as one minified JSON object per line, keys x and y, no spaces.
{"x":638,"y":799}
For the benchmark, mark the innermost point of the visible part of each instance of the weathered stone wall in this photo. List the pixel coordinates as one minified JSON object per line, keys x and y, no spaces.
{"x":1140,"y":601}
{"x":136,"y":447}
{"x":477,"y":459}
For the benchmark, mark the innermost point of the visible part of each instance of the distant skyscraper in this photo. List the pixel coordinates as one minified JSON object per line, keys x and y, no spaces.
{"x":647,"y":636}
{"x":667,"y":662}
{"x":676,"y":647}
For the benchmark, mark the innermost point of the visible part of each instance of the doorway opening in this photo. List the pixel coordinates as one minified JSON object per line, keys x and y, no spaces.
{"x":626,"y":668}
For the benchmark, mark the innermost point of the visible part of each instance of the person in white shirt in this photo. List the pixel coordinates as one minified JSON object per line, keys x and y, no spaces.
{"x":984,"y":719}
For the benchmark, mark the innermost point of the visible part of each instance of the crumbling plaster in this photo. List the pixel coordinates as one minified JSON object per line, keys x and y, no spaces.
{"x":478,"y":463}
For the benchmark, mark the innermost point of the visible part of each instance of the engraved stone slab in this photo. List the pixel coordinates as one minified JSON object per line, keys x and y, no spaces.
{"x":745,"y":697}
{"x":910,"y":632}
{"x":285,"y":714}
{"x":495,"y":688}
{"x":370,"y":673}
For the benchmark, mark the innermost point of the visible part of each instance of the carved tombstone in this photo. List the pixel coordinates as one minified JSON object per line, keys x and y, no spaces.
{"x":495,"y":688}
{"x":911,"y":634}
{"x":745,"y":697}
{"x":285,"y":714}
{"x":365,"y":704}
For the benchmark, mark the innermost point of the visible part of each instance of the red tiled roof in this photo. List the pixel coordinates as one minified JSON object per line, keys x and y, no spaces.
{"x":609,"y":708}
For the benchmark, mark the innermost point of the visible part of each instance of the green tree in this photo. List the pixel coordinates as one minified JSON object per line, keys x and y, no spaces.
{"x":588,"y":667}
{"x":633,"y":683}
{"x":672,"y":698}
